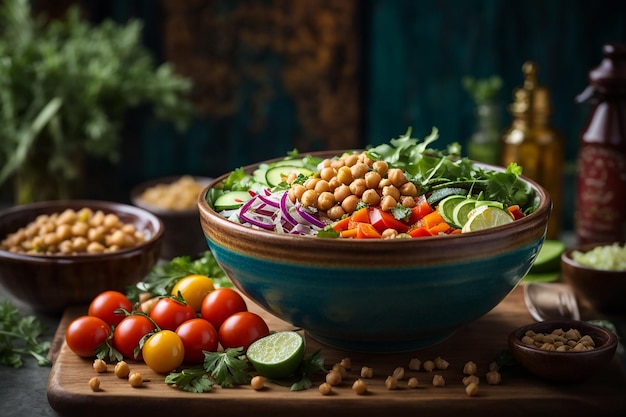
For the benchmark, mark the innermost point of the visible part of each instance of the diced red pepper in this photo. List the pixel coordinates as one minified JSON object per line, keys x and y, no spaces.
{"x":382,"y":220}
{"x":342,"y":224}
{"x":419,"y":232}
{"x":367,"y":231}
{"x":419,"y":211}
{"x":515,"y":212}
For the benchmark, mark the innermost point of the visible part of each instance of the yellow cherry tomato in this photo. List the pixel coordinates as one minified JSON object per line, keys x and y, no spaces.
{"x":193,"y":289}
{"x":163,"y":351}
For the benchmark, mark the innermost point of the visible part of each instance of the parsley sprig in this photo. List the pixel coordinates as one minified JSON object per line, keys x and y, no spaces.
{"x":20,"y":336}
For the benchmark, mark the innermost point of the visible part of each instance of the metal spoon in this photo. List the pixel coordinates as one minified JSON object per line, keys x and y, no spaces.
{"x":550,"y":301}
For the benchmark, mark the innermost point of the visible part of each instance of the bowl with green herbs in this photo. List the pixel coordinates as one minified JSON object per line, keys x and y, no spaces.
{"x":391,"y":248}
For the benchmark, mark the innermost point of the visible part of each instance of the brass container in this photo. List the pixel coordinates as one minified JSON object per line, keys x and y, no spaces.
{"x":533,"y":144}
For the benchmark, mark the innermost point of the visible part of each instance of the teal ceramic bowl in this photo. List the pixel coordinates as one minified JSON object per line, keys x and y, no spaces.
{"x":377,"y":295}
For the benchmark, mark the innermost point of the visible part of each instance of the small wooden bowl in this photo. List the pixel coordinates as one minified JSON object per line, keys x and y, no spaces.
{"x":564,"y":366}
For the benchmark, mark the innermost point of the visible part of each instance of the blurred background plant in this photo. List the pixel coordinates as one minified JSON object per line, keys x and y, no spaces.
{"x":66,"y":88}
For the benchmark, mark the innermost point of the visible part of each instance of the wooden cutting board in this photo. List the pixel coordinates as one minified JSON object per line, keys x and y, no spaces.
{"x":482,"y":341}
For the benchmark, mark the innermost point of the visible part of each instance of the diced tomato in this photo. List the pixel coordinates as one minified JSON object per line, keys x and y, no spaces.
{"x":515,"y":212}
{"x":419,"y":211}
{"x":419,"y":232}
{"x":367,"y":231}
{"x":382,"y":220}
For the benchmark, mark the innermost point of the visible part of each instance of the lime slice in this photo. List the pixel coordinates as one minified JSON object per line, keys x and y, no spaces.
{"x":446,"y":208}
{"x":462,"y":211}
{"x":485,"y":217}
{"x":278,"y":355}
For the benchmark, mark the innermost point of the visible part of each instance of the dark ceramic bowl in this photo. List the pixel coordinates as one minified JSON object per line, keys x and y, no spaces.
{"x":564,"y":366}
{"x":376,"y":295}
{"x":182,"y":237}
{"x":54,"y":282}
{"x":602,"y":290}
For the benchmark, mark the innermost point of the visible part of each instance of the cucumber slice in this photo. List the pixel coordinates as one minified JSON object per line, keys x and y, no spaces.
{"x":231,"y":200}
{"x":447,"y":206}
{"x":461,"y":212}
{"x":288,"y":162}
{"x":442,"y":193}
{"x":277,"y":174}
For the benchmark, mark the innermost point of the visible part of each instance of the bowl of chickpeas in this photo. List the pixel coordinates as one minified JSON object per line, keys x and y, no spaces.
{"x":55,"y":254}
{"x":175,"y":201}
{"x":563,"y":350}
{"x":385,"y":294}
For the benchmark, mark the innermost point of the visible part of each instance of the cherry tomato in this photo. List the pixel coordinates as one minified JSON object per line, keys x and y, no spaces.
{"x":241,"y":329}
{"x":85,"y":334}
{"x":193,"y":289}
{"x":129,"y":332}
{"x":220,"y":304}
{"x":169,"y":313}
{"x":163,"y":351}
{"x":105,"y":304}
{"x":197,"y":335}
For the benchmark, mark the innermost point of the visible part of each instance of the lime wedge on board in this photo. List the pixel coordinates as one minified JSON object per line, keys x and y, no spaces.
{"x":277,"y":355}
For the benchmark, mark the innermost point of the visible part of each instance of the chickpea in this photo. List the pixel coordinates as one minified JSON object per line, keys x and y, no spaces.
{"x":322,"y":186}
{"x":359,"y":387}
{"x":326,"y":201}
{"x":117,"y":238}
{"x":97,"y":218}
{"x":99,"y":366}
{"x":335,"y":212}
{"x":68,"y":216}
{"x":121,"y":370}
{"x":351,"y":159}
{"x":333,"y":183}
{"x":397,"y":177}
{"x":325,"y":163}
{"x":94,"y":384}
{"x":387,"y":203}
{"x":110,"y":221}
{"x":389,"y":234}
{"x":342,"y":371}
{"x":441,"y":363}
{"x":398,"y":373}
{"x":358,"y":187}
{"x":96,"y":234}
{"x":493,"y":366}
{"x":79,"y":244}
{"x":63,"y":232}
{"x":95,"y":247}
{"x":371,"y":197}
{"x":310,"y":183}
{"x":470,"y":368}
{"x":350,"y":203}
{"x":471,"y":389}
{"x":333,"y":378}
{"x":291,"y":177}
{"x":80,"y":229}
{"x":372,"y":179}
{"x":428,"y":366}
{"x":409,"y":189}
{"x":346,"y":363}
{"x":391,"y":383}
{"x":298,"y":190}
{"x":493,"y":377}
{"x":359,"y":170}
{"x":135,"y":379}
{"x":337,"y":163}
{"x":438,"y":381}
{"x":367,"y":372}
{"x":257,"y":383}
{"x":50,"y":239}
{"x":342,"y":192}
{"x":470,"y":379}
{"x":344,"y":174}
{"x":309,"y":198}
{"x":392,"y":191}
{"x":381,"y":167}
{"x":408,"y":201}
{"x":327,"y":173}
{"x":415,"y":364}
{"x":412,"y":382}
{"x":325,"y":388}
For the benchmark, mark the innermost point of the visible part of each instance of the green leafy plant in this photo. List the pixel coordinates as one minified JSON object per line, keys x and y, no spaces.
{"x":20,"y":336}
{"x":66,"y":87}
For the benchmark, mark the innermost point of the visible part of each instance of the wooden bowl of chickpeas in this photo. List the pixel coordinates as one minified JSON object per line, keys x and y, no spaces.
{"x":175,"y":201}
{"x":563,"y":350}
{"x":59,"y":253}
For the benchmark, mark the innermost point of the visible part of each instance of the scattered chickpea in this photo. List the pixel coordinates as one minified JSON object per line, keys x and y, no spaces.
{"x":469,"y":368}
{"x":333,"y":378}
{"x":346,"y":363}
{"x":493,"y":366}
{"x":415,"y":364}
{"x":471,"y":379}
{"x":428,"y":366}
{"x":339,"y":368}
{"x":94,"y":383}
{"x":438,"y":381}
{"x":441,"y":363}
{"x":122,"y":370}
{"x":359,"y":387}
{"x":325,"y":388}
{"x":391,"y":382}
{"x":367,"y":372}
{"x":471,"y":389}
{"x":412,"y":382}
{"x":99,"y":366}
{"x":493,"y":377}
{"x":398,"y":373}
{"x":257,"y":383}
{"x":135,"y":379}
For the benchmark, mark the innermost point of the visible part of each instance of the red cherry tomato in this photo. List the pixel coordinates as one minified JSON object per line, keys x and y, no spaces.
{"x":169,"y":313}
{"x":105,"y":304}
{"x":197,"y":335}
{"x":85,"y":334}
{"x":129,"y":332}
{"x":220,"y":304}
{"x":241,"y":329}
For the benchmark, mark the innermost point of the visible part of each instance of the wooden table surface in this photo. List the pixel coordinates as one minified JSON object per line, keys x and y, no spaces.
{"x":482,"y":341}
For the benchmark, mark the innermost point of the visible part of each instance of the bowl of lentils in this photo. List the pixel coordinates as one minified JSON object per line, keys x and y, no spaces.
{"x":55,"y":254}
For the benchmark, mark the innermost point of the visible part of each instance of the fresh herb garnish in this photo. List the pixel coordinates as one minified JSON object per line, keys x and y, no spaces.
{"x":163,"y":277}
{"x":191,"y":380}
{"x":228,"y":369}
{"x":309,"y":367}
{"x":20,"y":336}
